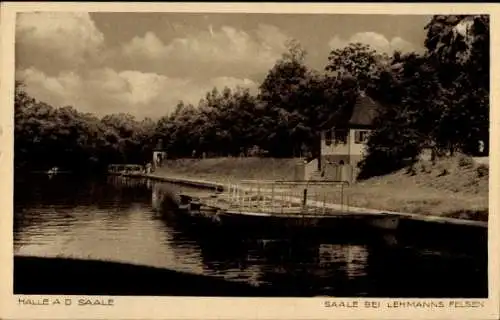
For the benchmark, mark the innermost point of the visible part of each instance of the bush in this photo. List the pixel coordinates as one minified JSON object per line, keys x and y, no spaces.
{"x":411,"y":170}
{"x":482,"y":170}
{"x":443,"y":173}
{"x":424,"y":169}
{"x":379,"y":163}
{"x":465,"y":161}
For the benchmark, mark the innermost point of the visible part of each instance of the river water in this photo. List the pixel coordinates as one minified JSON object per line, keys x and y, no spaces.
{"x":118,"y":219}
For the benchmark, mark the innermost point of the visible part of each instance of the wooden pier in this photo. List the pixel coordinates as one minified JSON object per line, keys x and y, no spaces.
{"x":252,"y":205}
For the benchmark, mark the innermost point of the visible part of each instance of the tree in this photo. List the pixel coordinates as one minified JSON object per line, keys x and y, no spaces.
{"x":460,"y":40}
{"x":458,"y":45}
{"x":295,"y":51}
{"x":359,"y":61}
{"x":46,"y":136}
{"x":279,"y":94}
{"x":438,"y":99}
{"x":407,"y":88}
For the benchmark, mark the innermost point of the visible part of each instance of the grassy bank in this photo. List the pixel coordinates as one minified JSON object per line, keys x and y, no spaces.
{"x":454,"y":187}
{"x":223,"y":169}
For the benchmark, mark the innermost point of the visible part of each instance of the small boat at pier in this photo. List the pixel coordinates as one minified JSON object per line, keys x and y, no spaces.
{"x":121,"y":169}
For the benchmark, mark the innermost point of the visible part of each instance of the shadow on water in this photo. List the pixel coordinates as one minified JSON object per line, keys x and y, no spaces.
{"x":134,"y":221}
{"x":91,"y":277}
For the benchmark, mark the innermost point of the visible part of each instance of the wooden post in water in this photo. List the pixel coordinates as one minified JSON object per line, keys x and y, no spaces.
{"x":282,"y":201}
{"x":304,"y":200}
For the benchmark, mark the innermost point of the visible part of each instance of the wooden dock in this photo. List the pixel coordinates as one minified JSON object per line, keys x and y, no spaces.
{"x":281,"y":204}
{"x":335,"y":204}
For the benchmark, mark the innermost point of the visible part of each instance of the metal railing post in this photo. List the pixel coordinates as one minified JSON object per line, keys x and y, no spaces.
{"x":272,"y":197}
{"x":304,"y":200}
{"x":324,"y":202}
{"x":249,"y":200}
{"x":283,"y":198}
{"x":342,"y":196}
{"x":259,"y":203}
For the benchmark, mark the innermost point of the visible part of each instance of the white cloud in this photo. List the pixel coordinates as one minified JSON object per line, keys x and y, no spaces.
{"x":67,"y":39}
{"x":225,"y":47}
{"x":376,"y":40}
{"x":149,"y":47}
{"x":105,"y":91}
{"x":60,"y":91}
{"x":230,"y":82}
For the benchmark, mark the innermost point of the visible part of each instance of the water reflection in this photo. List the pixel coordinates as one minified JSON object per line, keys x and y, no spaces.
{"x":352,"y":258}
{"x":128,"y":219}
{"x":156,"y":197}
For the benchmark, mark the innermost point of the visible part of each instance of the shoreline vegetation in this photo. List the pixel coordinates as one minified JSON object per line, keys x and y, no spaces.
{"x":436,"y":100}
{"x":453,"y":187}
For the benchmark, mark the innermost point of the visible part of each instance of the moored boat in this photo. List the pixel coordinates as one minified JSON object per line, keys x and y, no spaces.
{"x":283,"y":207}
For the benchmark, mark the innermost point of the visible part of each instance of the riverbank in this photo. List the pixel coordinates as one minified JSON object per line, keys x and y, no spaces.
{"x":454,"y":188}
{"x":65,"y":276}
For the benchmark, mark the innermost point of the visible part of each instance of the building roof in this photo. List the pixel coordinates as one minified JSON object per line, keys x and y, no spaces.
{"x":363,"y":113}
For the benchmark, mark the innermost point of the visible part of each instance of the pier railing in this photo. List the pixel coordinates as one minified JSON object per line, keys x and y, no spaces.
{"x":294,"y":197}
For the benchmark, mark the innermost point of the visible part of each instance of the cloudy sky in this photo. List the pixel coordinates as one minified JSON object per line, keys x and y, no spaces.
{"x":144,"y":63}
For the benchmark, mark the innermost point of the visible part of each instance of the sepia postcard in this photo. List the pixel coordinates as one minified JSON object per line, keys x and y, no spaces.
{"x":249,"y":160}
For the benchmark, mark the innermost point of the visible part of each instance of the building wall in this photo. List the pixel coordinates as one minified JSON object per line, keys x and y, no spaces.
{"x":355,"y":159}
{"x":339,"y":172}
{"x":329,"y":159}
{"x":334,"y":148}
{"x":356,"y":149}
{"x":340,"y":151}
{"x":157,"y":155}
{"x":349,"y":154}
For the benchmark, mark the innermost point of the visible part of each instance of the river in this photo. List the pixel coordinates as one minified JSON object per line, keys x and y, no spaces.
{"x":117,"y":219}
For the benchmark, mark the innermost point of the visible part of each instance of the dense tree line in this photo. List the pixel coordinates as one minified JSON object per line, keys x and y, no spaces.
{"x":437,"y":99}
{"x":283,"y":120}
{"x":46,"y":136}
